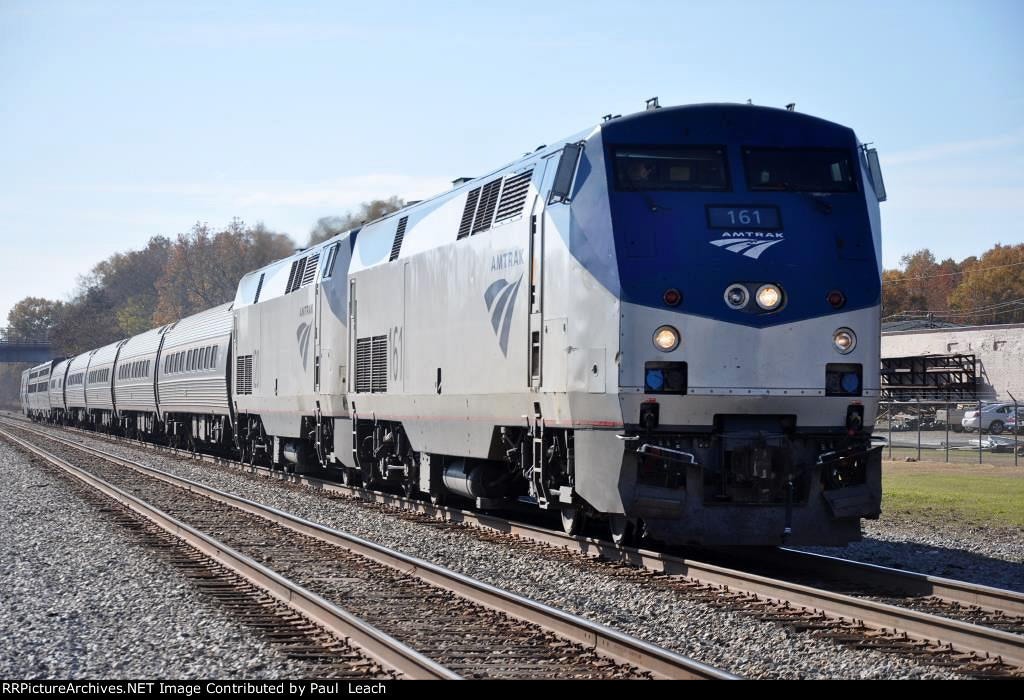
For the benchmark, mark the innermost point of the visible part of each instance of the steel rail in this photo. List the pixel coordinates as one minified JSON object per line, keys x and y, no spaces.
{"x":616,"y":645}
{"x":897,"y":580}
{"x":370,"y":640}
{"x":926,"y":626}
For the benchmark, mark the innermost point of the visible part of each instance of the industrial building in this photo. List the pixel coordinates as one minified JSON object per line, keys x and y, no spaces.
{"x":954,"y":362}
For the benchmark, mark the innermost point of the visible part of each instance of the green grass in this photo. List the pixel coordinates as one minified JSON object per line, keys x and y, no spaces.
{"x":981,"y":499}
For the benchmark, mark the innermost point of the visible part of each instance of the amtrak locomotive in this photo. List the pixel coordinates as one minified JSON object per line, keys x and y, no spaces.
{"x":668,"y":323}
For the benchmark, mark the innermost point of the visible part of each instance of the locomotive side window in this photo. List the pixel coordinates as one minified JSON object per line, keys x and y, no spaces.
{"x":660,"y":168}
{"x":332,"y":257}
{"x":799,"y":170}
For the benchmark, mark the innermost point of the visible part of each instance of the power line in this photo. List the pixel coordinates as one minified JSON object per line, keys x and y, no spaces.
{"x":985,"y":314}
{"x":938,"y":315}
{"x":953,"y":274}
{"x":954,"y":312}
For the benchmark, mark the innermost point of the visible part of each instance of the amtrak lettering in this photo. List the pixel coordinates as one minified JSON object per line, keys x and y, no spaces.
{"x":748,"y":243}
{"x":753,"y":234}
{"x":506,"y":260}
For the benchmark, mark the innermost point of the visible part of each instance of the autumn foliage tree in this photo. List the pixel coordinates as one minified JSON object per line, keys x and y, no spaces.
{"x":33,"y":317}
{"x":204,"y":266}
{"x":971,"y":292}
{"x":131,"y":292}
{"x":992,"y":289}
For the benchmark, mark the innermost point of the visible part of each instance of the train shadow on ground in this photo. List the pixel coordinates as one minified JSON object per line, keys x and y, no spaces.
{"x":947,"y":562}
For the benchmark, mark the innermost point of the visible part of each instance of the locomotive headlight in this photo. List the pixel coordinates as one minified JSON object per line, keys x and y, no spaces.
{"x":666,"y":338}
{"x":768,"y":297}
{"x":737,"y":296}
{"x":845,"y":340}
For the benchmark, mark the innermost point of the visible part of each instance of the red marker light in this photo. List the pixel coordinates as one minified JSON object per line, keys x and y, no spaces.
{"x":836,"y":299}
{"x":672,"y":297}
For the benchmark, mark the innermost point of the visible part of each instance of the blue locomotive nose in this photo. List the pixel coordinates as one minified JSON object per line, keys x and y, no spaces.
{"x":720,"y":202}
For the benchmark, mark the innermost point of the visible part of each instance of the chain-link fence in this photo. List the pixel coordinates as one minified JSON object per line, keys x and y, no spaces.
{"x":950,"y":431}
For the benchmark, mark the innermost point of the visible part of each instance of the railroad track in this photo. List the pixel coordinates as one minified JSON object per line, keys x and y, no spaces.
{"x":414,"y":617}
{"x":969,"y":627}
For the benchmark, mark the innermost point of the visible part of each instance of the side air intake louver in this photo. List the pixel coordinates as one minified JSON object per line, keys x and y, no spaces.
{"x":513,"y":196}
{"x":363,"y":365}
{"x":396,"y":247}
{"x":468,"y":212}
{"x":291,"y":276}
{"x":380,"y":364}
{"x":372,"y":364}
{"x":243,"y":374}
{"x":303,"y":272}
{"x":310,"y":272}
{"x":485,"y":212}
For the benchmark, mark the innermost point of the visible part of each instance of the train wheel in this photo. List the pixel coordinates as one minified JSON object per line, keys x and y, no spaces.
{"x":368,"y":474}
{"x":572,"y":520}
{"x":410,"y":487}
{"x":622,"y":529}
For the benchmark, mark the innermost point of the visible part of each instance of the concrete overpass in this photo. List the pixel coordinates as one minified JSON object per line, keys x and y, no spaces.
{"x":14,"y":348}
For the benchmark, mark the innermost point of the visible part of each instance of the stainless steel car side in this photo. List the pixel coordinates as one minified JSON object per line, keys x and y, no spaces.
{"x":192,"y":376}
{"x":135,"y":383}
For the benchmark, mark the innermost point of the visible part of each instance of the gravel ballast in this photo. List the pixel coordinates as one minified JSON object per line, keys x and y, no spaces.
{"x":733,"y":641}
{"x":81,"y":600}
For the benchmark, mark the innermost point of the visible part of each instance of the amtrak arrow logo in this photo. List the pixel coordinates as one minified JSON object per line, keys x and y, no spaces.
{"x":500,"y":298}
{"x":750,"y":244}
{"x":302,"y":336}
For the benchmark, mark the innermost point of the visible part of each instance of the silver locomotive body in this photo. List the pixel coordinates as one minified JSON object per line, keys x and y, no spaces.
{"x":668,"y":322}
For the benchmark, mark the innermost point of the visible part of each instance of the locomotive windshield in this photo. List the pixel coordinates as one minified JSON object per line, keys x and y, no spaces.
{"x":798,"y":170}
{"x":658,"y":168}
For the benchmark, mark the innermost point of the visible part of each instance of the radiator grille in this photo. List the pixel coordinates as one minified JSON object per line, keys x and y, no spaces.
{"x":372,"y":364}
{"x":468,"y":212}
{"x":396,"y":247}
{"x":291,"y":277}
{"x":380,"y":364}
{"x":485,"y":212}
{"x":363,"y":364}
{"x":513,"y":196}
{"x":303,"y":272}
{"x":243,"y":374}
{"x":310,"y":272}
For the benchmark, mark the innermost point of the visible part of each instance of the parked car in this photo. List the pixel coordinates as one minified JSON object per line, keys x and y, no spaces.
{"x":993,"y":418}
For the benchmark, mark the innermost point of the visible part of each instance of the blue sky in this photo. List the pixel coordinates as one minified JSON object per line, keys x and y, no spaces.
{"x":120,"y":121}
